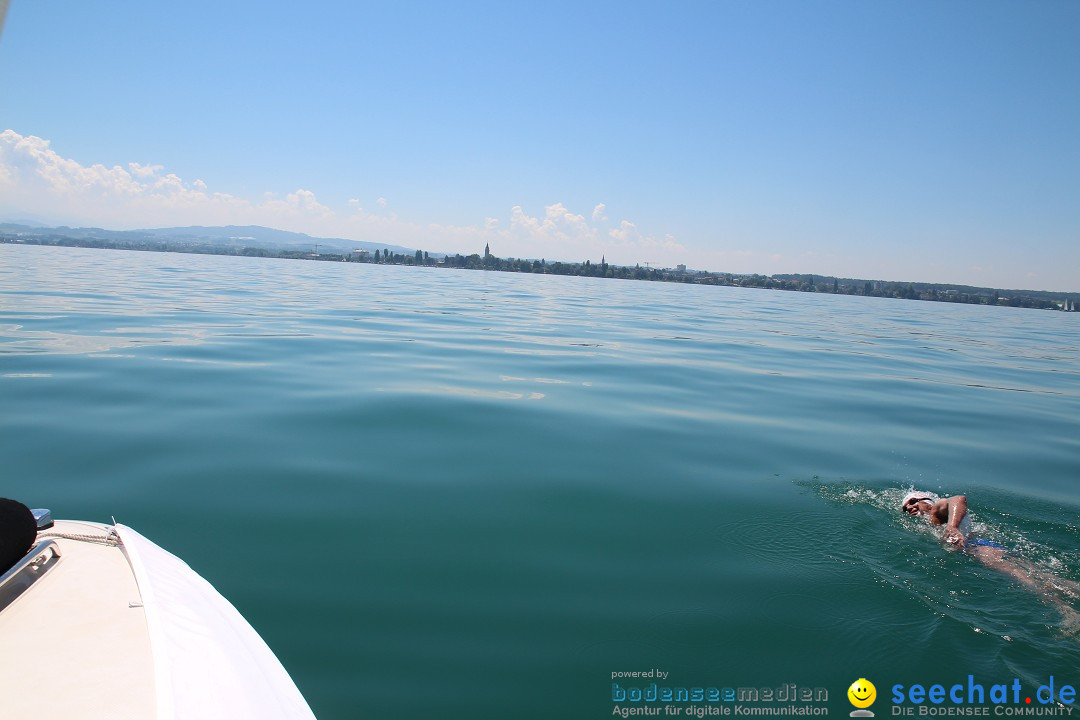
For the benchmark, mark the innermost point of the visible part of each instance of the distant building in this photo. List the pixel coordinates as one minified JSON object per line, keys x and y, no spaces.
{"x":680,"y":268}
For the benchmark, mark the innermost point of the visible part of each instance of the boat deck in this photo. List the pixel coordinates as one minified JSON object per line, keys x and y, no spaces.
{"x":75,"y":644}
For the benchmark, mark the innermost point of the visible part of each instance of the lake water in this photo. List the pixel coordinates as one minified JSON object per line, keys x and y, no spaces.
{"x":463,"y":494}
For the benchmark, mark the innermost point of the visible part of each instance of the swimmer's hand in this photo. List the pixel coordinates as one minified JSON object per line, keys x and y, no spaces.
{"x":954,"y":537}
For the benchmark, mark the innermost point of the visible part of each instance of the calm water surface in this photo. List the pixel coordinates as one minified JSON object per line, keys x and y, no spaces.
{"x":465,"y":494}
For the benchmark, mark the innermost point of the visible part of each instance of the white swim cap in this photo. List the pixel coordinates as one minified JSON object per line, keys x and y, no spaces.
{"x":917,"y":495}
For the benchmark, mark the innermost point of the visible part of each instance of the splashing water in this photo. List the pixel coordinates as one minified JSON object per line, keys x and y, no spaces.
{"x":947,"y":581}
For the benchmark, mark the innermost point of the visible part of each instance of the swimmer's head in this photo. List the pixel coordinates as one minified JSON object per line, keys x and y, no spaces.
{"x":917,"y":503}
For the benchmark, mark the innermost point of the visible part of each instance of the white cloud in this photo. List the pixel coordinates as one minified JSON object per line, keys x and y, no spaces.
{"x":144,"y":170}
{"x":627,"y":235}
{"x":305,"y":200}
{"x":626,"y":232}
{"x":519,"y":220}
{"x":670,"y":243}
{"x":559,"y":233}
{"x":567,"y":235}
{"x":36,"y":180}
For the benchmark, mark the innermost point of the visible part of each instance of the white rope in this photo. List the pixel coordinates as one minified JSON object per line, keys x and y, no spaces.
{"x":112,"y":539}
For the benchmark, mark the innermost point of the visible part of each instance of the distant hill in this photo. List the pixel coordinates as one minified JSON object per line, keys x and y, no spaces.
{"x":225,"y":236}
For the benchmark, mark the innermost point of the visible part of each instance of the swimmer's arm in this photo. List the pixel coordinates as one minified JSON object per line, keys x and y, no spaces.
{"x":957,"y":510}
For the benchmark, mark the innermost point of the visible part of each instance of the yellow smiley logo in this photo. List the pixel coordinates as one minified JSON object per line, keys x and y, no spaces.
{"x":862,"y":693}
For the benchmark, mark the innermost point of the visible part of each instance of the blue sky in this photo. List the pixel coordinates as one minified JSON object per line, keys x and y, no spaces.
{"x":934,"y":141}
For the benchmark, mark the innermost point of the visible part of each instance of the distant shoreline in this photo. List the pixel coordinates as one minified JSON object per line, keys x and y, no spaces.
{"x":934,"y":292}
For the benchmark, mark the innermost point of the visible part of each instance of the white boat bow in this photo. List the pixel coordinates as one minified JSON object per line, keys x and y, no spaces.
{"x":98,"y":622}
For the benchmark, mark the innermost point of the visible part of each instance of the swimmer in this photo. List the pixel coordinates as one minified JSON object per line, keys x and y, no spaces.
{"x":952,"y":514}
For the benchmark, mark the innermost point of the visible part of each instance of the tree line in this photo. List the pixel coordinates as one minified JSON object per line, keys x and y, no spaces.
{"x":935,"y":292}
